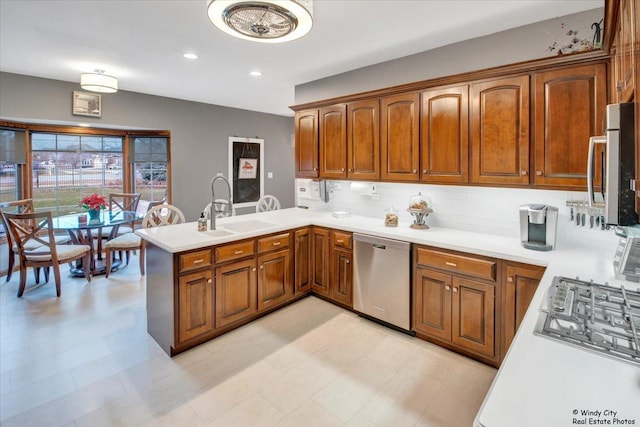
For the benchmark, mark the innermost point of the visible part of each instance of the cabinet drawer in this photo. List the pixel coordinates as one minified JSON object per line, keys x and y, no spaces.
{"x":234,"y":251}
{"x":342,"y":239}
{"x":270,"y":243}
{"x":458,"y":263}
{"x":194,"y":260}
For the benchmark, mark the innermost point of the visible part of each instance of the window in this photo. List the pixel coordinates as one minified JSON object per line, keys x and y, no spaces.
{"x":66,"y":167}
{"x":12,"y":157}
{"x":150,"y":157}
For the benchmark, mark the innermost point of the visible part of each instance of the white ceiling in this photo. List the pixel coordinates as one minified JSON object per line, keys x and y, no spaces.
{"x":141,"y":43}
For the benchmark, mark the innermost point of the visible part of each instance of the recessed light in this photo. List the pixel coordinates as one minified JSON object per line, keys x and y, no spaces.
{"x":190,"y":55}
{"x":256,"y":73}
{"x":84,"y":125}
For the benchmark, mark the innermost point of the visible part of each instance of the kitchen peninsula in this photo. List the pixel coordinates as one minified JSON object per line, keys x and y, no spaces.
{"x":540,"y":381}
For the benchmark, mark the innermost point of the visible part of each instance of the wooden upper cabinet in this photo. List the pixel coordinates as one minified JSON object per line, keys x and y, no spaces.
{"x":400,"y":138}
{"x":500,"y":131}
{"x":333,"y":141}
{"x":625,"y":50}
{"x":363,"y":139}
{"x":569,"y":107}
{"x":444,"y":128}
{"x":306,"y":151}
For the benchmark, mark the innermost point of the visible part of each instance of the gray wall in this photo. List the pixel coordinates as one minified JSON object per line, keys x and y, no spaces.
{"x":506,"y":47}
{"x":199,"y":132}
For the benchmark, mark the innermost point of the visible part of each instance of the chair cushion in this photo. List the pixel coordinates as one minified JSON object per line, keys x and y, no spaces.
{"x":123,"y":229}
{"x":129,"y":240}
{"x":65,"y":252}
{"x":32,"y":245}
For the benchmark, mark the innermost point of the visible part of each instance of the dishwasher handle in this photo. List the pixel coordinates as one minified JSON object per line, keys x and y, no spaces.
{"x":382,"y":243}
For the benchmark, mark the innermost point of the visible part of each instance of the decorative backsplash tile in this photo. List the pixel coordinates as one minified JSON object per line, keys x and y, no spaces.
{"x":481,"y":209}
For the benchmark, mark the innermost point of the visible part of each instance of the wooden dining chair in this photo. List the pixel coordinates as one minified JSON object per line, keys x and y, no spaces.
{"x":23,"y":206}
{"x":119,"y":202}
{"x":221,"y":208}
{"x":37,"y":247}
{"x":163,"y":215}
{"x":132,"y":242}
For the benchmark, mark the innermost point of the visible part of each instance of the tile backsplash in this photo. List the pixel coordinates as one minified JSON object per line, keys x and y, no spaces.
{"x":481,"y":209}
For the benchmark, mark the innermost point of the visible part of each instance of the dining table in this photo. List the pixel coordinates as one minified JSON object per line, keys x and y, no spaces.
{"x":85,"y":231}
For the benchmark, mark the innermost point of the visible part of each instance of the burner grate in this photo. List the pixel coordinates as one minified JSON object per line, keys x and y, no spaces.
{"x":599,"y":318}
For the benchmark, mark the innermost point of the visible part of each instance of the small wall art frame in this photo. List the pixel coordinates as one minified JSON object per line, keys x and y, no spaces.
{"x":86,"y":104}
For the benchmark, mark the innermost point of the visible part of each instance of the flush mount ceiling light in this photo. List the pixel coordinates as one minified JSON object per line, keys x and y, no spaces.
{"x":267,"y":21}
{"x":98,"y":82}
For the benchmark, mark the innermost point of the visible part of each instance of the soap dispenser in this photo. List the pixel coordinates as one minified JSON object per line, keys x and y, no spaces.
{"x":202,"y":223}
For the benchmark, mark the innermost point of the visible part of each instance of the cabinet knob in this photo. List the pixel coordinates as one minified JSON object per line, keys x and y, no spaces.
{"x":253,"y":269}
{"x":425,"y":170}
{"x":447,"y":287}
{"x":209,"y":280}
{"x":348,"y":262}
{"x":523,"y":173}
{"x":341,"y":169}
{"x":315,"y":169}
{"x":510,"y":279}
{"x":261,"y":267}
{"x":415,"y":171}
{"x":539,"y":173}
{"x":350,"y":170}
{"x":455,"y":289}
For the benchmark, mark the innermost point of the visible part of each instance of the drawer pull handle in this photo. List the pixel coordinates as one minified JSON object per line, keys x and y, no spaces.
{"x":276,"y":243}
{"x":238,"y":252}
{"x":198,"y":261}
{"x":451,"y":264}
{"x":340,"y":241}
{"x":455,"y":289}
{"x":510,"y":279}
{"x":447,"y":287}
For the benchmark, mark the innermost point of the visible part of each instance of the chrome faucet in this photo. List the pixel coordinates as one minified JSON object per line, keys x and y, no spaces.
{"x":225,"y":202}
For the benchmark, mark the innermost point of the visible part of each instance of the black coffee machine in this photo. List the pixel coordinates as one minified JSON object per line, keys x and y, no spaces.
{"x":538,"y":225}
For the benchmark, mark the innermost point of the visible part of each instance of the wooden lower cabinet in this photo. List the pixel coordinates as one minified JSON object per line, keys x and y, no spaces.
{"x":342,"y":276}
{"x":236,"y":292}
{"x":457,"y":311}
{"x":302,"y":259}
{"x":320,"y":261}
{"x":195,"y":304}
{"x":274,"y":279}
{"x":520,"y":284}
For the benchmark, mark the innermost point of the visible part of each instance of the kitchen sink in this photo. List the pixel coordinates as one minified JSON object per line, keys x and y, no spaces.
{"x":247,"y":226}
{"x":218,"y":233}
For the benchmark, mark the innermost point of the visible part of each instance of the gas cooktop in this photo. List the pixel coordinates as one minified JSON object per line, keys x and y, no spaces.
{"x":600,"y":318}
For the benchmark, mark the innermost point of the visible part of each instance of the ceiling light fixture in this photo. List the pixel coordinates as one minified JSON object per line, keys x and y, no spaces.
{"x":190,"y":55}
{"x":267,"y":21}
{"x":255,"y":73}
{"x":98,"y":82}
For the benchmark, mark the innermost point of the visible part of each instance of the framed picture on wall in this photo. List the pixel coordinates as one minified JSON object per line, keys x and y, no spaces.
{"x":87,"y":104}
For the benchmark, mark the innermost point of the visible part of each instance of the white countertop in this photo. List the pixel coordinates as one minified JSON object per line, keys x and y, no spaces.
{"x":541,"y":381}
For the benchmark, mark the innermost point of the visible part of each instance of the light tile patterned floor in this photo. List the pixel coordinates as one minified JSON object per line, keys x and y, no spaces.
{"x":85,"y":359}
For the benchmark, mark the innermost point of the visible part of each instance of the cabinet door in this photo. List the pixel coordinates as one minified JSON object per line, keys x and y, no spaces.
{"x":400,"y":138}
{"x":363,"y":141}
{"x":274,"y":279}
{"x":474,"y":316}
{"x":306,"y":151}
{"x":569,"y":109}
{"x":342,"y":273}
{"x":320,"y":261}
{"x":235,"y":292}
{"x":303,"y":271}
{"x":500,"y":131}
{"x":333,"y":141}
{"x":444,"y":126}
{"x":195,"y":304}
{"x":432,"y":303}
{"x":521,"y":284}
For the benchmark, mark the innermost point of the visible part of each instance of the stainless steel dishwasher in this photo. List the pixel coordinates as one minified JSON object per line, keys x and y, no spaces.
{"x":382,"y":284}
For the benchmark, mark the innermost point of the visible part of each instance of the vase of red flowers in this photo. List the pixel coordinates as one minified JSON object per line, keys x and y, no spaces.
{"x":93,"y":204}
